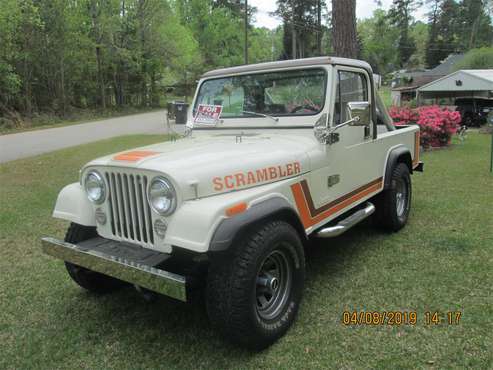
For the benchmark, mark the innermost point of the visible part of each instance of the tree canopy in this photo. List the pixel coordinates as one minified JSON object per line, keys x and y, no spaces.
{"x":62,"y":55}
{"x":481,"y":58}
{"x":457,"y":27}
{"x":59,"y":55}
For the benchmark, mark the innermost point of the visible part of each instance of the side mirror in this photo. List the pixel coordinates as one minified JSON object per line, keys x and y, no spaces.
{"x":358,"y":113}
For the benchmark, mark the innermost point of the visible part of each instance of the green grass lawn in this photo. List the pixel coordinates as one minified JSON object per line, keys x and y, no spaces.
{"x":442,"y":261}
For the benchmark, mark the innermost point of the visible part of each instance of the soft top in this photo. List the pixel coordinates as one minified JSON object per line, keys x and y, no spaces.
{"x":306,"y":62}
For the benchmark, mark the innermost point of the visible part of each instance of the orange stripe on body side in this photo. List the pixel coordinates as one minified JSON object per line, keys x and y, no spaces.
{"x":311,"y":216}
{"x":417,"y":135}
{"x":299,"y":198}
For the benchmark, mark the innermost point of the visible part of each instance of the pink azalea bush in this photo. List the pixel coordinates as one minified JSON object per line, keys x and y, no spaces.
{"x":437,"y":124}
{"x":404,"y":115}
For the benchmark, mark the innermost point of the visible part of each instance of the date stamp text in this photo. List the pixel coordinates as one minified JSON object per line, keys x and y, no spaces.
{"x":397,"y":318}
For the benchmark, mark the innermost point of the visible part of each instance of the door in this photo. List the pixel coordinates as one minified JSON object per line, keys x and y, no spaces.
{"x":352,"y":163}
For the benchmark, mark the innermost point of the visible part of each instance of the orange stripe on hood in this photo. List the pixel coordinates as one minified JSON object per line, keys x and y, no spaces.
{"x":134,"y":156}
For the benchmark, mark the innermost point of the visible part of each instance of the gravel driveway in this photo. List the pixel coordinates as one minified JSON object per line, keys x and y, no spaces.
{"x":27,"y":144}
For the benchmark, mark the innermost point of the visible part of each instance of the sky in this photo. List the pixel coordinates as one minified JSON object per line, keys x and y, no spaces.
{"x":364,"y":9}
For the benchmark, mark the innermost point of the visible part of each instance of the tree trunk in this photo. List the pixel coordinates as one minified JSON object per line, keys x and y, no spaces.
{"x":101,"y":78}
{"x":152,"y":88}
{"x":141,"y":14}
{"x":293,"y":41}
{"x":11,"y":115}
{"x":345,"y":43}
{"x":27,"y":88}
{"x":473,"y":33}
{"x":62,"y":87}
{"x":115,"y":89}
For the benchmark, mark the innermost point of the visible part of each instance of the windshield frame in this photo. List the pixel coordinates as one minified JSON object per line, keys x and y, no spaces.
{"x":282,"y":115}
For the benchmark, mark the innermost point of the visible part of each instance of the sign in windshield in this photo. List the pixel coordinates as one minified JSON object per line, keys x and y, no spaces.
{"x":207,"y":114}
{"x":267,"y":95}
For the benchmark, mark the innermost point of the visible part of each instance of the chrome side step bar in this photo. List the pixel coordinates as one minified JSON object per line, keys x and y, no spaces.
{"x":347,"y":223}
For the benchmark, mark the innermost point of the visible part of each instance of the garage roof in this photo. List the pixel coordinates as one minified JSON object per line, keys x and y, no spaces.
{"x":463,"y":80}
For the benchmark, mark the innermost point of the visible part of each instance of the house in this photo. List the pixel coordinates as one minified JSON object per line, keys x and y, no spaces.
{"x":469,"y":91}
{"x":406,"y":83}
{"x":465,"y":83}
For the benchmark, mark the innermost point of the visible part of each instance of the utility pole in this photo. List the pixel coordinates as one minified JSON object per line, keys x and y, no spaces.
{"x":490,"y":124}
{"x":246,"y":31}
{"x":273,"y":47}
{"x":319,"y":33}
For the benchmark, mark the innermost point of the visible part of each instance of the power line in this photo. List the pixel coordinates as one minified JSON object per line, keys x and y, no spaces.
{"x":291,"y":21}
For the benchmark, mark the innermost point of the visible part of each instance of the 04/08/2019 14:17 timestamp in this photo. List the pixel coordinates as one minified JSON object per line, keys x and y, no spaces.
{"x":395,"y":318}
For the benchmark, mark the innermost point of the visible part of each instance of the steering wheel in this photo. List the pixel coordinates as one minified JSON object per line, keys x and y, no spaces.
{"x":306,"y":106}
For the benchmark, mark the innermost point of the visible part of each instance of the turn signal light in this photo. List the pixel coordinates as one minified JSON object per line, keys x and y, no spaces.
{"x":236,"y":209}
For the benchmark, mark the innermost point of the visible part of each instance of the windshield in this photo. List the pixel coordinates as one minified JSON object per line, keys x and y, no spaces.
{"x":286,"y":93}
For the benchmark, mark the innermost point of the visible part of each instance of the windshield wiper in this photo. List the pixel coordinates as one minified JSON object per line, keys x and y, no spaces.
{"x":276,"y":119}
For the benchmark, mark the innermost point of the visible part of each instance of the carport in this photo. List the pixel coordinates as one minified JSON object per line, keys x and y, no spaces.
{"x":466,"y":83}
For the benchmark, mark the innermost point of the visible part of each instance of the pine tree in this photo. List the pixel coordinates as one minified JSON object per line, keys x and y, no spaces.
{"x":378,"y":40}
{"x":476,"y":29}
{"x":444,"y":32}
{"x":344,"y":36}
{"x":457,"y":27}
{"x":401,"y":15}
{"x":301,"y":29}
{"x":432,"y":58}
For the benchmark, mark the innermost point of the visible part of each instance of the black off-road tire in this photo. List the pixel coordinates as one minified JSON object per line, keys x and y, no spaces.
{"x":233,"y":288}
{"x":390,"y":214}
{"x":87,"y":279}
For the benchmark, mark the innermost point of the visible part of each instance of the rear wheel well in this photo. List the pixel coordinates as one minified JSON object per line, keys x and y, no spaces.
{"x":407,"y":160}
{"x":396,"y":156}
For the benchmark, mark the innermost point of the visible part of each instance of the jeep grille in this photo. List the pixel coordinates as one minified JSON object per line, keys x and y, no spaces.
{"x":130,"y":212}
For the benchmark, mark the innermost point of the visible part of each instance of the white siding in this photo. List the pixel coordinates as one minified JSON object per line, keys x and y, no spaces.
{"x":470,"y":80}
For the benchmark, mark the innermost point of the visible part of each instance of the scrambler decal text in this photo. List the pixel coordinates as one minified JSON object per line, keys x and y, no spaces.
{"x":241,"y":179}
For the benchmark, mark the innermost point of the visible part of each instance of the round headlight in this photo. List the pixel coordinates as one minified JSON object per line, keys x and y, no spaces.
{"x":95,"y":188}
{"x":162,"y":196}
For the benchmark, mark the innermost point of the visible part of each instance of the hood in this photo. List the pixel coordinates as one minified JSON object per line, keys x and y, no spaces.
{"x":215,"y":164}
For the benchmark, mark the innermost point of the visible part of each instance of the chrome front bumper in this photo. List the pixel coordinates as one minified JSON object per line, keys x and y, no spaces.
{"x":145,"y":276}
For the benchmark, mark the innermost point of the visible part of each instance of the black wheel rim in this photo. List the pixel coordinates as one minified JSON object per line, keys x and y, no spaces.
{"x":273,"y":284}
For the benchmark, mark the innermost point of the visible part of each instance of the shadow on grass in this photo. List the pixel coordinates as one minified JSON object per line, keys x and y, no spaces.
{"x":325,"y":257}
{"x":166,"y":323}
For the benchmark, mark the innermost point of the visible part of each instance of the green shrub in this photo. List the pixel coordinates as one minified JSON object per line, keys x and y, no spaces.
{"x":481,"y":58}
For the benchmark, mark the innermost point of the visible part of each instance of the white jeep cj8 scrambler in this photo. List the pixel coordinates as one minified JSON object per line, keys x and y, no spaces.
{"x":274,"y":154}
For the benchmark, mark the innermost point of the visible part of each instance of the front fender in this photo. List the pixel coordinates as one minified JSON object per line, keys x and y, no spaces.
{"x":72,"y":205}
{"x":202,"y":226}
{"x":229,"y":228}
